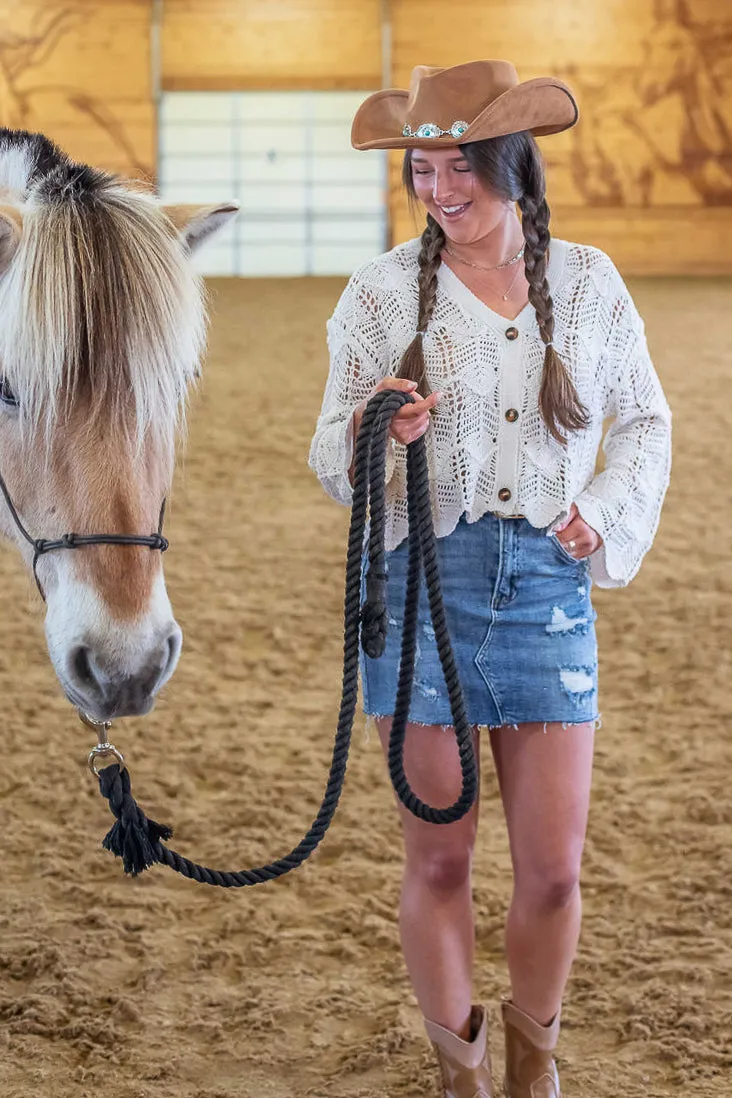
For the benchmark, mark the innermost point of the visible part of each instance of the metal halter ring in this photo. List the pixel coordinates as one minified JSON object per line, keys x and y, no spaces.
{"x":104,"y":748}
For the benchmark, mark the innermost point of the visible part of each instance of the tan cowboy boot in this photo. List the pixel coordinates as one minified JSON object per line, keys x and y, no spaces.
{"x":530,"y":1068}
{"x":465,"y":1065}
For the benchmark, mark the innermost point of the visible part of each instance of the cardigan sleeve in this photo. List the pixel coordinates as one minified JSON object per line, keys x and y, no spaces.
{"x":623,"y":502}
{"x":359,"y":359}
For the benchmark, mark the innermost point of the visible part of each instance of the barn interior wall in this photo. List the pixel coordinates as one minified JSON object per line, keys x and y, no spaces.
{"x":81,"y":72}
{"x":646,"y":175}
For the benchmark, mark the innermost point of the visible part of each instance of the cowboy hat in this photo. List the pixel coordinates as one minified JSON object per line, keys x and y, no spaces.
{"x":471,"y":102}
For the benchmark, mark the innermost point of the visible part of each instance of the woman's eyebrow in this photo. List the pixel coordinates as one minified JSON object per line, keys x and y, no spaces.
{"x":451,"y":160}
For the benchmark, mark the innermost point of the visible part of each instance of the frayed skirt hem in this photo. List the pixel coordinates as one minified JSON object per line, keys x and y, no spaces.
{"x":371,"y":718}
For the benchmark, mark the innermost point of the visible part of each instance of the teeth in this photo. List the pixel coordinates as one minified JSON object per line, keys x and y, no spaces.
{"x":453,"y":209}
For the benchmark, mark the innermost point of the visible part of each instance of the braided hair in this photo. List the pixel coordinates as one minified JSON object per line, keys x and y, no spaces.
{"x":412,"y":365}
{"x":511,"y":166}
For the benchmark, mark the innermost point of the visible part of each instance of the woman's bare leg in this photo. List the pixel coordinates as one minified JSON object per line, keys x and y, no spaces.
{"x":436,"y":910}
{"x":545,"y":779}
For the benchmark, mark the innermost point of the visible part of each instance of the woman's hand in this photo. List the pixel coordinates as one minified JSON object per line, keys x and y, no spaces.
{"x":412,"y":420}
{"x":579,"y":539}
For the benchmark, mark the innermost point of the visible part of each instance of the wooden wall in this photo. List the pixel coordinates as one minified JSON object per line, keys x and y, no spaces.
{"x":647,"y":172}
{"x":271,"y":44}
{"x":646,"y":175}
{"x":80,"y":72}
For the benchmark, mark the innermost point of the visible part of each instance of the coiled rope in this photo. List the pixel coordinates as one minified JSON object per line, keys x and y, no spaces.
{"x":140,"y":841}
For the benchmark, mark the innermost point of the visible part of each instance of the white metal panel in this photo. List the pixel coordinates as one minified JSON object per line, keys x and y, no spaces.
{"x":268,"y":260}
{"x":191,"y":107}
{"x":274,"y":170}
{"x":208,"y":193}
{"x":334,"y":259}
{"x":336,"y":105}
{"x":310,"y":204}
{"x":216,"y":259}
{"x":258,"y":231}
{"x":197,"y":169}
{"x":344,"y":169}
{"x":193,"y":139}
{"x":365,"y":230}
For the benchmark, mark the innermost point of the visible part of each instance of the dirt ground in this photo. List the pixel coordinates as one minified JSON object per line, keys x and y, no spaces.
{"x":158,"y":988}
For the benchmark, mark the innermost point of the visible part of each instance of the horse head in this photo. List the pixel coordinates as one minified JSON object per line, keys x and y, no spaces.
{"x":103,"y":325}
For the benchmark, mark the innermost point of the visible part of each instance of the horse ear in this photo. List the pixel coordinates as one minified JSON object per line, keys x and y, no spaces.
{"x":197,"y":223}
{"x":11,"y":230}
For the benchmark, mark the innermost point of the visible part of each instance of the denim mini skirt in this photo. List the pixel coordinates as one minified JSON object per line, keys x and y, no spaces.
{"x":521,"y":623}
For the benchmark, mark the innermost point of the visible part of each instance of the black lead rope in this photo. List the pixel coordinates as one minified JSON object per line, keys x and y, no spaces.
{"x":138,"y":840}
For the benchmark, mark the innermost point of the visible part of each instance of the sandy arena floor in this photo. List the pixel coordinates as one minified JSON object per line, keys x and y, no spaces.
{"x":158,"y":988}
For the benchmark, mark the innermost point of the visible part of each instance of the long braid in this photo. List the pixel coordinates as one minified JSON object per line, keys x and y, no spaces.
{"x":412,"y":365}
{"x":559,"y":403}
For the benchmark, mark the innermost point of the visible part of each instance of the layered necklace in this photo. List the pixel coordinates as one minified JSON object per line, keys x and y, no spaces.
{"x":498,"y":267}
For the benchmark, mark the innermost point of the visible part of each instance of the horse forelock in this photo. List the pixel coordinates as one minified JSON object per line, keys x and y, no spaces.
{"x":99,"y":307}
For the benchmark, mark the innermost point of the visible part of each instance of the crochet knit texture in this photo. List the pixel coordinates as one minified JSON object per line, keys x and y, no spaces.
{"x":484,"y":369}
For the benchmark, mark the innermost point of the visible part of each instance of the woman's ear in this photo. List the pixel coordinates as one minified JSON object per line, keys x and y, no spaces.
{"x":197,"y":223}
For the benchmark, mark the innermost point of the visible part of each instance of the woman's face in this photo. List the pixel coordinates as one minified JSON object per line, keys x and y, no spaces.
{"x":465,"y":208}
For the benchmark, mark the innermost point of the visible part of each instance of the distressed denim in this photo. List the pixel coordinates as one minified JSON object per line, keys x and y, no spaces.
{"x":522,"y":627}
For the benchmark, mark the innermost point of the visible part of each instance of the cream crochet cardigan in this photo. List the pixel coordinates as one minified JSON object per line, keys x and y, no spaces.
{"x":485,"y":366}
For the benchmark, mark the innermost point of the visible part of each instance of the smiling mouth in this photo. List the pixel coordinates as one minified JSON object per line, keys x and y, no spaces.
{"x":453,"y":211}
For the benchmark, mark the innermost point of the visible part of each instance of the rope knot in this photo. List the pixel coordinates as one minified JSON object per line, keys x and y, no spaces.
{"x":374,"y":617}
{"x":133,"y":837}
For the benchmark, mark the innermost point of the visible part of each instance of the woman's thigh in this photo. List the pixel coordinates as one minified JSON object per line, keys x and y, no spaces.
{"x":432,"y":766}
{"x":545,"y":779}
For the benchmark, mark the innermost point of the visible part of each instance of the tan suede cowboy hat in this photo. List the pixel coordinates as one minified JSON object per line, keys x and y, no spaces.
{"x":472,"y":102}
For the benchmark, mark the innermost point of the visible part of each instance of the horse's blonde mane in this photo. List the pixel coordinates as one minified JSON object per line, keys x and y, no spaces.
{"x":100,"y":306}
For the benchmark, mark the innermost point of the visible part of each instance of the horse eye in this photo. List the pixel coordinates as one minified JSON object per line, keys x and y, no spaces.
{"x":7,"y":396}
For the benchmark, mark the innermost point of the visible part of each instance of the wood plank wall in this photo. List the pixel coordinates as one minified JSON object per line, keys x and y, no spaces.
{"x":646,"y":175}
{"x":251,"y":44}
{"x":80,"y":72}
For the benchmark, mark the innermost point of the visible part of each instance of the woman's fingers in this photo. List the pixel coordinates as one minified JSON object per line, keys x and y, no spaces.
{"x":411,"y":413}
{"x":421,"y":405}
{"x":406,"y":433}
{"x":412,"y":419}
{"x":403,"y":384}
{"x":577,"y":537}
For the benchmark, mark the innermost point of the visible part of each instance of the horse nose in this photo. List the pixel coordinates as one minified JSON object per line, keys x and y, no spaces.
{"x":107,"y":691}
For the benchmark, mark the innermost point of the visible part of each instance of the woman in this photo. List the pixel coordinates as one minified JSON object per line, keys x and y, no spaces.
{"x":523,"y":346}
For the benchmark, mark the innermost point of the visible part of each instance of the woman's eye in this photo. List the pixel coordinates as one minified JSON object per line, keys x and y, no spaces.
{"x":425,"y":171}
{"x":7,"y":396}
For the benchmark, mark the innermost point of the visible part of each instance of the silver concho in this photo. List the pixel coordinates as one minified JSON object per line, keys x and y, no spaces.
{"x":431,"y":129}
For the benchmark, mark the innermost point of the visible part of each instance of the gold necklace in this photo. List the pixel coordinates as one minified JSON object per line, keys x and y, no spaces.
{"x":507,"y":294}
{"x":506,"y":262}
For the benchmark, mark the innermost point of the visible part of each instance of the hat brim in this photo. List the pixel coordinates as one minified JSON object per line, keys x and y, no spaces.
{"x":543,"y":106}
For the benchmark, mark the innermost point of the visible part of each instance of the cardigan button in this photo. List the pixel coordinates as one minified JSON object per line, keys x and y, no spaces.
{"x":512,"y":333}
{"x":512,"y":415}
{"x":504,"y":495}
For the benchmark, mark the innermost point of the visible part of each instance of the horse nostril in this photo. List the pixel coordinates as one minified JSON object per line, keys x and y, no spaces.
{"x":174,"y":644}
{"x":84,"y":674}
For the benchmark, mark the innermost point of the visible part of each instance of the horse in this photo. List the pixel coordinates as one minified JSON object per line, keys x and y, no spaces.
{"x":103,"y":324}
{"x":621,"y":155}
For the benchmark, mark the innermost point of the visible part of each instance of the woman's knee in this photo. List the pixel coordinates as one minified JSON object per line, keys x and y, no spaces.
{"x":443,"y":868}
{"x":548,"y":887}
